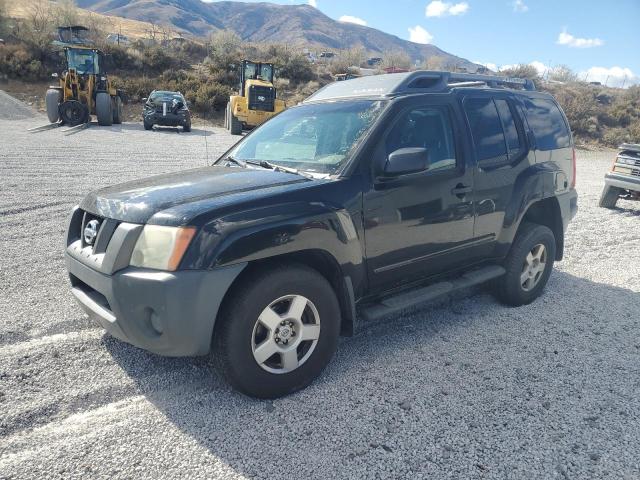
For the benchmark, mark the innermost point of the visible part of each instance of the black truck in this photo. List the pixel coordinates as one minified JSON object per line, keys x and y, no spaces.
{"x":373,"y":196}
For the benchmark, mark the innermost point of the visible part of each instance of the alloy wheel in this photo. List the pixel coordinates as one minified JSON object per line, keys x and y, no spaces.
{"x":285,"y":334}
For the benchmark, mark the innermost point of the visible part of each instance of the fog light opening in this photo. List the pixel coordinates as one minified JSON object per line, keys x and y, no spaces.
{"x":155,"y":322}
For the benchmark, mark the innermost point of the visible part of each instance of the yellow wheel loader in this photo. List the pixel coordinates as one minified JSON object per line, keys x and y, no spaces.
{"x":256,"y":102}
{"x":84,"y":89}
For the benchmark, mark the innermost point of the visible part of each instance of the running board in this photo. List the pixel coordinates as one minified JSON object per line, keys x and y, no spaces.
{"x":397,"y":303}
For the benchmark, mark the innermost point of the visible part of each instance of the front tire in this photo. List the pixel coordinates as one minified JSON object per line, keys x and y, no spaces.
{"x":610,"y":196}
{"x":234,"y":125}
{"x":528,"y":265}
{"x":277,"y":331}
{"x":147,"y":125}
{"x":52,"y":101}
{"x":104,"y":109}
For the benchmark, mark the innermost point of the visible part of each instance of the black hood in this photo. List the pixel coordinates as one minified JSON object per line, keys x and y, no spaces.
{"x":139,"y":200}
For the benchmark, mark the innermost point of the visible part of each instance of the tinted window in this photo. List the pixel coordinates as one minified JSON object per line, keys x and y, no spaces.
{"x":486,"y":130}
{"x":429,"y":128}
{"x":547,"y":123}
{"x":509,"y":127}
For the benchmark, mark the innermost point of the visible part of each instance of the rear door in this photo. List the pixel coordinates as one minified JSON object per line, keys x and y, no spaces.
{"x":419,"y":224}
{"x":501,"y":153}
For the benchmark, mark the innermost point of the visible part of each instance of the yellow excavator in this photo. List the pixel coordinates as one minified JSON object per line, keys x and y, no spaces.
{"x":84,"y":88}
{"x":256,"y":102}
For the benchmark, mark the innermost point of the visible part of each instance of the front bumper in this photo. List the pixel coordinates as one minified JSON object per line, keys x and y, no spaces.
{"x":168,"y":120}
{"x":168,"y":313}
{"x":618,"y":180}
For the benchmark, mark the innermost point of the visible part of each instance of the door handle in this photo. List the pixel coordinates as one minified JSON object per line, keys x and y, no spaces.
{"x":461,"y":190}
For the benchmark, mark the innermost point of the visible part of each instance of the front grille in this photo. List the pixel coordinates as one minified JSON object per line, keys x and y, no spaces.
{"x":262,"y":98}
{"x":635,"y":173}
{"x":104,"y":231}
{"x":636,"y":160}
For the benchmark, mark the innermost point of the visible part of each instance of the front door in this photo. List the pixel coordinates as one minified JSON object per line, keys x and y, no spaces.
{"x":420,"y":224}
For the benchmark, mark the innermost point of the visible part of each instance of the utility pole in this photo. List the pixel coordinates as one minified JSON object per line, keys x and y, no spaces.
{"x":624,"y":81}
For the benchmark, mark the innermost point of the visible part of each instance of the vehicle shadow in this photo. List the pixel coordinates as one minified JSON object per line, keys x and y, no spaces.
{"x":412,"y":392}
{"x":156,"y":129}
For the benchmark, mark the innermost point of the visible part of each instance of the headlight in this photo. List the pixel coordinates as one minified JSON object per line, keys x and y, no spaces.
{"x":626,"y":161}
{"x":161,"y":247}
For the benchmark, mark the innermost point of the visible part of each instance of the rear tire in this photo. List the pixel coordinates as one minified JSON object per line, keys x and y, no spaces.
{"x":117,"y":111}
{"x":187,"y":127}
{"x":261,"y":313}
{"x":53,"y":99}
{"x":104,"y":109}
{"x":527,"y":275}
{"x":610,"y":196}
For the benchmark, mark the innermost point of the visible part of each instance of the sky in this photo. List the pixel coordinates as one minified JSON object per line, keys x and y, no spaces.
{"x":598,"y":39}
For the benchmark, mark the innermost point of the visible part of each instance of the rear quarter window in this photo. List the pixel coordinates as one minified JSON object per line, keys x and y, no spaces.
{"x":547,"y":122}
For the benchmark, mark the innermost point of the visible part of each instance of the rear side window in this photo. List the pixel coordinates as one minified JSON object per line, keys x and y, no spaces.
{"x":548,"y":125}
{"x":486,"y":130}
{"x":509,"y":126}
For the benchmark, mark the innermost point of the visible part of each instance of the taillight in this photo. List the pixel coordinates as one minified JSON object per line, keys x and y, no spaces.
{"x":573,"y":167}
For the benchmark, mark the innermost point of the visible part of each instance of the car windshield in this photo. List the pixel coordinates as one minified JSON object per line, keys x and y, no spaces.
{"x":313,"y":137}
{"x":85,"y":62}
{"x":166,"y":97}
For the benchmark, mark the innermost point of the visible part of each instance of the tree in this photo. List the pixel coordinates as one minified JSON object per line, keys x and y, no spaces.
{"x":396,"y":59}
{"x":65,"y":13}
{"x":225,"y":50}
{"x":3,"y":17}
{"x":347,"y":61}
{"x":38,"y":27}
{"x":435,"y":62}
{"x":522,"y":70}
{"x":562,"y":73}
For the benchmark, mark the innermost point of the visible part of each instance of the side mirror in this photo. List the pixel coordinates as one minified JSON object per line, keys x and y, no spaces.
{"x":54,"y":75}
{"x":405,"y":161}
{"x":144,"y":99}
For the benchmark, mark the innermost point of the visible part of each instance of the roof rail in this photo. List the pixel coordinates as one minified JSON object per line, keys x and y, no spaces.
{"x":422,"y":81}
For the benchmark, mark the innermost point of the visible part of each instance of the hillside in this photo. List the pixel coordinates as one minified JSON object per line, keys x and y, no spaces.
{"x":130,"y":27}
{"x":299,"y":25}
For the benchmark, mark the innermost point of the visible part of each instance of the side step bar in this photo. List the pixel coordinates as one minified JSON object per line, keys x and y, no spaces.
{"x":397,"y":303}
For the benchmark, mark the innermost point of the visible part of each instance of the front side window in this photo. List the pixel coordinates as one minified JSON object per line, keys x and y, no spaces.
{"x":428,"y":127}
{"x":312,"y":137}
{"x":548,"y":125}
{"x":486,"y":130}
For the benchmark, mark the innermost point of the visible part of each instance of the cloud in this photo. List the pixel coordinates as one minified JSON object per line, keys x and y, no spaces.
{"x":418,"y":34}
{"x":519,"y":6}
{"x":438,"y":8}
{"x":351,"y":19}
{"x":313,"y":3}
{"x":569,"y":40}
{"x":613,"y":77}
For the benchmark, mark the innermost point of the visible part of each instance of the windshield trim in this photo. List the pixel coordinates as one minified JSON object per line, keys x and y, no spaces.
{"x":357,"y":147}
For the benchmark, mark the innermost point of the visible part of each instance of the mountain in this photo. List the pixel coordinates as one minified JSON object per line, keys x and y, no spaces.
{"x":299,"y":25}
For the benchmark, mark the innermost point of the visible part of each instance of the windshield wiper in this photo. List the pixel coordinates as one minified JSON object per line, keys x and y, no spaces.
{"x":280,"y":168}
{"x":236,"y":161}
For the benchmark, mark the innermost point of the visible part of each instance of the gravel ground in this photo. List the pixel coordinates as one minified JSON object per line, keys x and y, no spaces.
{"x":468,"y":389}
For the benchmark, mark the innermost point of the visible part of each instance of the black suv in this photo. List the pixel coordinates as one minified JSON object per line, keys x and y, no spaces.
{"x":167,"y":109}
{"x":373,"y":196}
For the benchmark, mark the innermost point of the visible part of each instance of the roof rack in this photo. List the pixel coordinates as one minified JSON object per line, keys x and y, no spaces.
{"x":424,"y":81}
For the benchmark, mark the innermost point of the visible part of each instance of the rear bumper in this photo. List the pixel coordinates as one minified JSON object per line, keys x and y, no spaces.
{"x":622,"y":181}
{"x":168,"y":313}
{"x":568,"y":206}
